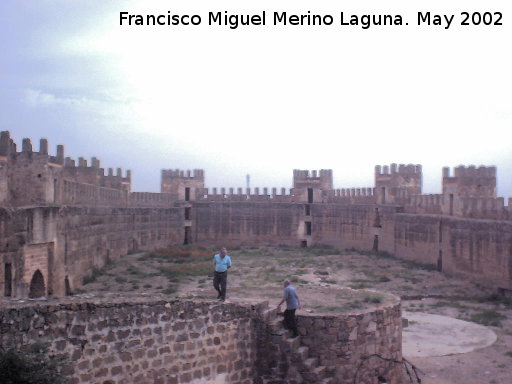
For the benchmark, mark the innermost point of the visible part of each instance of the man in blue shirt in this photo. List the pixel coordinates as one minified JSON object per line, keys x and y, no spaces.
{"x":292,"y":304}
{"x":222,"y":263}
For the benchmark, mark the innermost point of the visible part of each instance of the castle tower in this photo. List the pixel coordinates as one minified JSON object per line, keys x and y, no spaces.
{"x":184,"y":184}
{"x":395,"y":183}
{"x":470,"y":181}
{"x":309,"y":185}
{"x":467,"y":182}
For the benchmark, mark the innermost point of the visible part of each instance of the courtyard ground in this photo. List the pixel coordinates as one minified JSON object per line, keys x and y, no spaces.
{"x":333,"y":281}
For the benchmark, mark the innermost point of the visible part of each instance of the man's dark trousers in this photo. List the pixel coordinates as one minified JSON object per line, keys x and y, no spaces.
{"x":290,"y":321}
{"x":220,"y":280}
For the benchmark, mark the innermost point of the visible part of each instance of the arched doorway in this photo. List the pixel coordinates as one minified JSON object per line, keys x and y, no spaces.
{"x":37,"y":288}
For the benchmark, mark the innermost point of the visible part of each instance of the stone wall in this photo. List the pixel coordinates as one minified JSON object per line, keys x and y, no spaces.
{"x":357,"y":348}
{"x":246,"y":223}
{"x":167,"y":342}
{"x":178,"y":342}
{"x":344,"y":226}
{"x":74,"y":240}
{"x":476,"y":250}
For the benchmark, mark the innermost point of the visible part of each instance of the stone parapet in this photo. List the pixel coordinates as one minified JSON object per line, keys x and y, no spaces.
{"x":132,"y":342}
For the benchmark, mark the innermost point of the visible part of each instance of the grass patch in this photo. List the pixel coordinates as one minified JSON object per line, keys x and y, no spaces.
{"x":96,"y":272}
{"x":450,"y":303}
{"x":329,"y":308}
{"x":488,"y":317}
{"x":132,"y":270}
{"x":170,"y":290}
{"x":295,"y":279}
{"x":359,"y":286}
{"x":373,"y":298}
{"x":496,"y":299}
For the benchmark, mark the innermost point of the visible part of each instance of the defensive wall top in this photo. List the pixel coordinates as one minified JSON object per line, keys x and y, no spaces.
{"x":401,"y":169}
{"x":69,"y":163}
{"x":300,"y":174}
{"x":177,"y":173}
{"x":9,"y":148}
{"x":471,"y":171}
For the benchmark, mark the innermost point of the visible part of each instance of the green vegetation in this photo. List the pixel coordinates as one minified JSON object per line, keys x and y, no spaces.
{"x":96,"y":272}
{"x":488,"y":317}
{"x":30,"y":365}
{"x":496,"y":299}
{"x":374,"y":298}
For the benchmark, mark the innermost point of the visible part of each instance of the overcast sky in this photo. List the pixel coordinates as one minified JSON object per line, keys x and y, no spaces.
{"x":259,"y":100}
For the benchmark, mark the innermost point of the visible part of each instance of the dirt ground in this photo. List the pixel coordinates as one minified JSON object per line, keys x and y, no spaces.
{"x":332,"y":281}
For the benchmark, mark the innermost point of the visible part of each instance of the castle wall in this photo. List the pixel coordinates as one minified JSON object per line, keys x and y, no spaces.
{"x":88,"y":237}
{"x":74,"y":193}
{"x":246,"y":223}
{"x":343,"y":226}
{"x":77,"y":239}
{"x":417,"y":238}
{"x":149,"y":199}
{"x":477,"y":250}
{"x":4,"y":185}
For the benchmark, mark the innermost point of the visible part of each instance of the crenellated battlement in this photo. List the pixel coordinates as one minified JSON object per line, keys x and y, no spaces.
{"x":350,"y":196}
{"x":244,"y":194}
{"x":197,"y":174}
{"x":32,"y":177}
{"x":401,"y":169}
{"x":470,"y":181}
{"x":325,"y":174}
{"x":8,"y":149}
{"x":471,"y":171}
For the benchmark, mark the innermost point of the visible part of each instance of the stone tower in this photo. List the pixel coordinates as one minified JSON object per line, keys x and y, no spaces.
{"x":395,"y":184}
{"x":309,"y":185}
{"x":184,"y":184}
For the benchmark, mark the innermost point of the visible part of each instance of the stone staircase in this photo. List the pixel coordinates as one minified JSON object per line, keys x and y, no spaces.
{"x":294,"y":364}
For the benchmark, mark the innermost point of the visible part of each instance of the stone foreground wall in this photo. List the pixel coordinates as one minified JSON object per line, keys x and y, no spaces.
{"x":158,"y":342}
{"x":177,"y":342}
{"x":357,"y":348}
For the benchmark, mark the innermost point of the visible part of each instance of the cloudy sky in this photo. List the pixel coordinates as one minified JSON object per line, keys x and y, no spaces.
{"x":260,"y":100}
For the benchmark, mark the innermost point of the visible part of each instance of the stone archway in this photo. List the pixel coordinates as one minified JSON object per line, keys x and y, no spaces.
{"x":37,"y":288}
